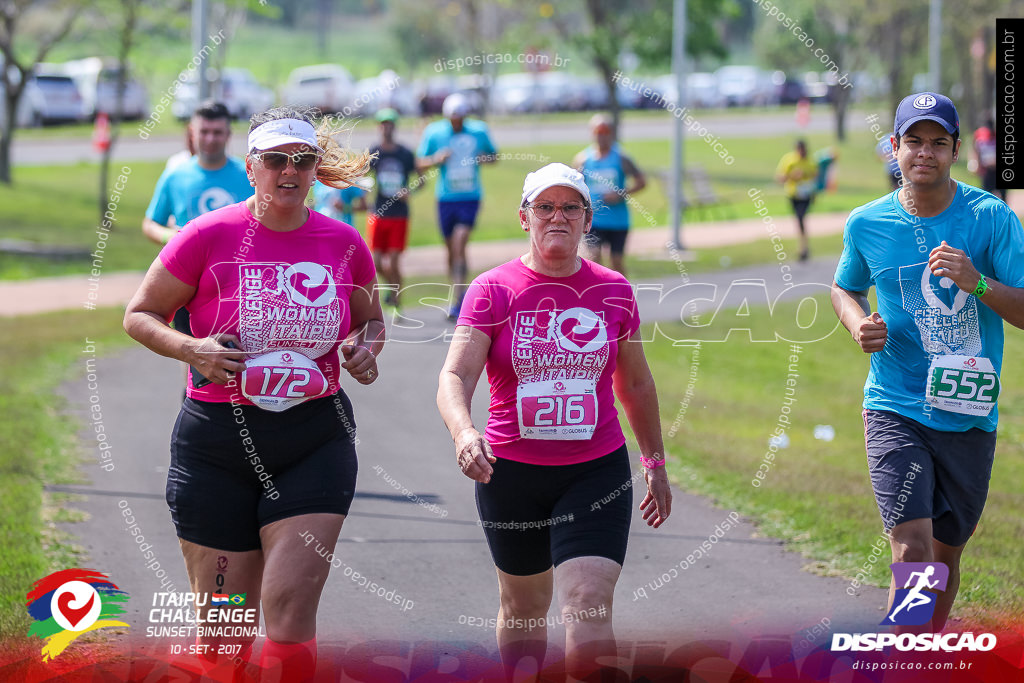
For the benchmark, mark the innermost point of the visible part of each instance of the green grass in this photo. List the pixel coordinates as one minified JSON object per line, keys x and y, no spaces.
{"x":38,"y":446}
{"x":816,"y":494}
{"x":28,"y":210}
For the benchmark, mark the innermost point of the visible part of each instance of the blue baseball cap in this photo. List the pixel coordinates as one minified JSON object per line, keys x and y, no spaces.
{"x":926,"y":106}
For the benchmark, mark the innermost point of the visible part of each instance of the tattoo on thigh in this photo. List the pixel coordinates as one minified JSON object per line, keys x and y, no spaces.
{"x":222,"y":569}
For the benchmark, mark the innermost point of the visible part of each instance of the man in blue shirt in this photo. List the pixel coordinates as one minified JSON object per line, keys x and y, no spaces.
{"x":947,"y":261}
{"x":207,"y":181}
{"x":606,"y":168}
{"x":458,"y":145}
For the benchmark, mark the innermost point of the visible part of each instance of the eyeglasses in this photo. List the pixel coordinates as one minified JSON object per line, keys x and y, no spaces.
{"x":278,"y":161}
{"x":545,"y":211}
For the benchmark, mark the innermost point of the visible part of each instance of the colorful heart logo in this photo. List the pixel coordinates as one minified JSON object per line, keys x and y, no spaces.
{"x":74,"y":615}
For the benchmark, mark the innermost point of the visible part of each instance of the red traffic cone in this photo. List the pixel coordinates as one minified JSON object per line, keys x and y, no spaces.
{"x":101,"y":133}
{"x":803,"y":113}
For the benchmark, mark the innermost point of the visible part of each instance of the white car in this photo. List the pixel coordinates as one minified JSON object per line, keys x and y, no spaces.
{"x":236,"y":88}
{"x":329,"y":87}
{"x":96,"y":79}
{"x":48,"y":98}
{"x":517,"y":93}
{"x":744,"y":86}
{"x":701,"y":90}
{"x":384,"y":90}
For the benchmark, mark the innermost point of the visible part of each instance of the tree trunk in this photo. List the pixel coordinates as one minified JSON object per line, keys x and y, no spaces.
{"x":12,"y":98}
{"x":840,"y":108}
{"x":608,"y":75}
{"x":127,"y":38}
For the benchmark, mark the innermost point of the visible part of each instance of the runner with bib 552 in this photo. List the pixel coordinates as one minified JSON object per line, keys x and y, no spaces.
{"x":947,"y":262}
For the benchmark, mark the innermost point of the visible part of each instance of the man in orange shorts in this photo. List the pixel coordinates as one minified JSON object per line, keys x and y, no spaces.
{"x":387,"y":226}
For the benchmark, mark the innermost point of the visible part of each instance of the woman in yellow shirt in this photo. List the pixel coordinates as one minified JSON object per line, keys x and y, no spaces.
{"x":799,"y":176}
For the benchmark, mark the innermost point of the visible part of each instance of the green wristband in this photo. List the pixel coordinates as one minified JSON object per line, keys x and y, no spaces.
{"x":981,"y":288}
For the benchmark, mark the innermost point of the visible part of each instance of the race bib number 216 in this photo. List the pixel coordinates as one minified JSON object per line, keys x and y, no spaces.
{"x":557,"y":409}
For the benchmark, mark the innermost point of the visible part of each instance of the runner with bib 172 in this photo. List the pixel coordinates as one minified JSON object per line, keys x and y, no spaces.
{"x":263,"y":454}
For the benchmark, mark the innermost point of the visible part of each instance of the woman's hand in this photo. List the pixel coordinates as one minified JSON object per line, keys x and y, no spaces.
{"x":360,"y":363}
{"x":474,"y":455}
{"x":214,"y":360}
{"x":657,"y":504}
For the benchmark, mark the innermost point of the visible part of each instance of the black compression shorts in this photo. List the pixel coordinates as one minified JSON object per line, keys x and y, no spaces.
{"x":538,"y":515}
{"x":615,"y":239}
{"x":235,"y":469}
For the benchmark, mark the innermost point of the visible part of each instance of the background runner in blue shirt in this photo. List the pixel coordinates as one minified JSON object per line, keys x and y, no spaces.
{"x":207,"y":181}
{"x":606,"y":169}
{"x":458,"y":145}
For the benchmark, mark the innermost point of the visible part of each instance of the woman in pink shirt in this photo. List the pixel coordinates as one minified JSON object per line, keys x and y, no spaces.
{"x":263,"y":461}
{"x":558,"y":337}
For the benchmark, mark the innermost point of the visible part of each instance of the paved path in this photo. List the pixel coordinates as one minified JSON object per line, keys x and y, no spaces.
{"x":437,"y":559}
{"x":514,"y":134}
{"x":115,"y":289}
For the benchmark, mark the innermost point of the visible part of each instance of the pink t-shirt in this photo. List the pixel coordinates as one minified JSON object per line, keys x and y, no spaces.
{"x":554,"y":343}
{"x":275,"y":290}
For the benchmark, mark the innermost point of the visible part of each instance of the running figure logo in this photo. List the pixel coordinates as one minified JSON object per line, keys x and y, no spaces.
{"x":913,"y":605}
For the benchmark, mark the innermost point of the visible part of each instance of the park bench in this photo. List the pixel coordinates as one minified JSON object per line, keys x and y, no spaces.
{"x":698,"y":193}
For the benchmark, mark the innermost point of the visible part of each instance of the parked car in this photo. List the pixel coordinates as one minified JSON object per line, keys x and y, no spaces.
{"x":815,"y":87}
{"x":744,"y":86}
{"x":50,"y":97}
{"x":560,"y":91}
{"x":787,"y":90}
{"x":430,"y":93}
{"x":595,"y":92}
{"x":97,"y":78}
{"x":517,"y":93}
{"x":329,"y":87}
{"x":236,"y":88}
{"x":701,"y":90}
{"x":386,"y":89}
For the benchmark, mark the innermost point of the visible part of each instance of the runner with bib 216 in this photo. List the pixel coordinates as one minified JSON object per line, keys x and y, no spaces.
{"x":559,"y":338}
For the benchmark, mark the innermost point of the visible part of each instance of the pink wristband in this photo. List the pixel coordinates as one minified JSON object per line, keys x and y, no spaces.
{"x":650,"y":463}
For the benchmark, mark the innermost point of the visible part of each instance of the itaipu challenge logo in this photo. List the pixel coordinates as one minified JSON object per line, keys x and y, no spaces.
{"x":71,"y":602}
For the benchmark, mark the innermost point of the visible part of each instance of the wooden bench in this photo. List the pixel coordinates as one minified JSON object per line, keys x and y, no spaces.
{"x":698,"y":194}
{"x":52,"y":251}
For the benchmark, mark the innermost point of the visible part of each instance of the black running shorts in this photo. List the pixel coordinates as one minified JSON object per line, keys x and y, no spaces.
{"x":536,"y":516}
{"x":237,"y":468}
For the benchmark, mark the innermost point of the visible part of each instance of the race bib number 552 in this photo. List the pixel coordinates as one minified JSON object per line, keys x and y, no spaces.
{"x":963,"y":384}
{"x":557,"y":409}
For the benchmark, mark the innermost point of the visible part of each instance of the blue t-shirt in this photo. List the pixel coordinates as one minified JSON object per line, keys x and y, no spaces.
{"x":603,"y":176}
{"x":885,"y":246}
{"x":189,"y":190}
{"x":324,"y":196}
{"x":460,"y":174}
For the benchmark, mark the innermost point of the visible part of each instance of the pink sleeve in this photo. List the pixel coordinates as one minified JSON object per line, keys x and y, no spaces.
{"x":485,"y":306}
{"x":632,"y":322}
{"x":363,"y":271}
{"x":185,"y":256}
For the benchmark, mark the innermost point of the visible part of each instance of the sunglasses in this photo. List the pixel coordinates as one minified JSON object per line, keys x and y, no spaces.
{"x":278,"y":161}
{"x":545,"y":211}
